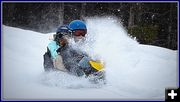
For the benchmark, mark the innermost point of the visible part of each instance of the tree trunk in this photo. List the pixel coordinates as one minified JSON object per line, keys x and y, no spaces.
{"x":83,"y":11}
{"x":61,"y":13}
{"x":170,"y":27}
{"x":139,"y":13}
{"x":131,"y":17}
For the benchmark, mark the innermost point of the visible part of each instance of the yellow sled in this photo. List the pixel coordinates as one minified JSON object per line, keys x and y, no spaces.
{"x":98,"y":65}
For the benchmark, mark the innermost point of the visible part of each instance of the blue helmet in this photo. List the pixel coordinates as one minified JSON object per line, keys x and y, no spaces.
{"x":77,"y":24}
{"x":62,"y":30}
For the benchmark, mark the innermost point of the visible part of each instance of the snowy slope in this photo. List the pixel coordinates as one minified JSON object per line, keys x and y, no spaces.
{"x":134,"y":71}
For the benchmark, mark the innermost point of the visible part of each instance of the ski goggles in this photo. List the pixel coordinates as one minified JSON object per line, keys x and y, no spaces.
{"x":80,"y":32}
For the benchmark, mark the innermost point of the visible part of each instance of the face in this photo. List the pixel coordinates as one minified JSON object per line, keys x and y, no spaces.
{"x":79,"y":35}
{"x":63,"y":41}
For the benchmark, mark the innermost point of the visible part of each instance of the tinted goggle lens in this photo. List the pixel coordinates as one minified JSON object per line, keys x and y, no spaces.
{"x":79,"y":32}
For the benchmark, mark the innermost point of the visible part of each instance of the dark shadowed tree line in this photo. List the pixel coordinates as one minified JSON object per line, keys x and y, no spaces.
{"x":151,"y":23}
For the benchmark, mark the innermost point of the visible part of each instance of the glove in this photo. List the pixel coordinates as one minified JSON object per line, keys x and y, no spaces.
{"x":84,"y":62}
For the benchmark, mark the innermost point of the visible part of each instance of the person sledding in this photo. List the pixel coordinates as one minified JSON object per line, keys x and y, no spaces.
{"x":61,"y":56}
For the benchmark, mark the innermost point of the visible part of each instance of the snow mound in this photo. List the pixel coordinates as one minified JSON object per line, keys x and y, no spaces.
{"x":134,"y":71}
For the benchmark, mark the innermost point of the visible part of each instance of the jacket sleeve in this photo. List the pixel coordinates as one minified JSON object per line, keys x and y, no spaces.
{"x":84,"y":62}
{"x":52,"y":46}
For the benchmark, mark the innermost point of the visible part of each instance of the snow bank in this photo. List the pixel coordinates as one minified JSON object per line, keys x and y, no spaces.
{"x":134,"y":71}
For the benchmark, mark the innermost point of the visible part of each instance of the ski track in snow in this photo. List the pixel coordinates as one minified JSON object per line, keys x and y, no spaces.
{"x":134,"y":71}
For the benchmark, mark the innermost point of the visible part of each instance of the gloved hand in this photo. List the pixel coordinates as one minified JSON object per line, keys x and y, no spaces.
{"x":84,"y":62}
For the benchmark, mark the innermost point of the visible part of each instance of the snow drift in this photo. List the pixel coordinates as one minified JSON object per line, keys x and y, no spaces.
{"x":134,"y":71}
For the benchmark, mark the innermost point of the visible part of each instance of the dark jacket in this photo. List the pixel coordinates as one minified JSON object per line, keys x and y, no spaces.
{"x":71,"y":59}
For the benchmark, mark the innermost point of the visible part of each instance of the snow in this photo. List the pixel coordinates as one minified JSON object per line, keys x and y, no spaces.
{"x":134,"y":71}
